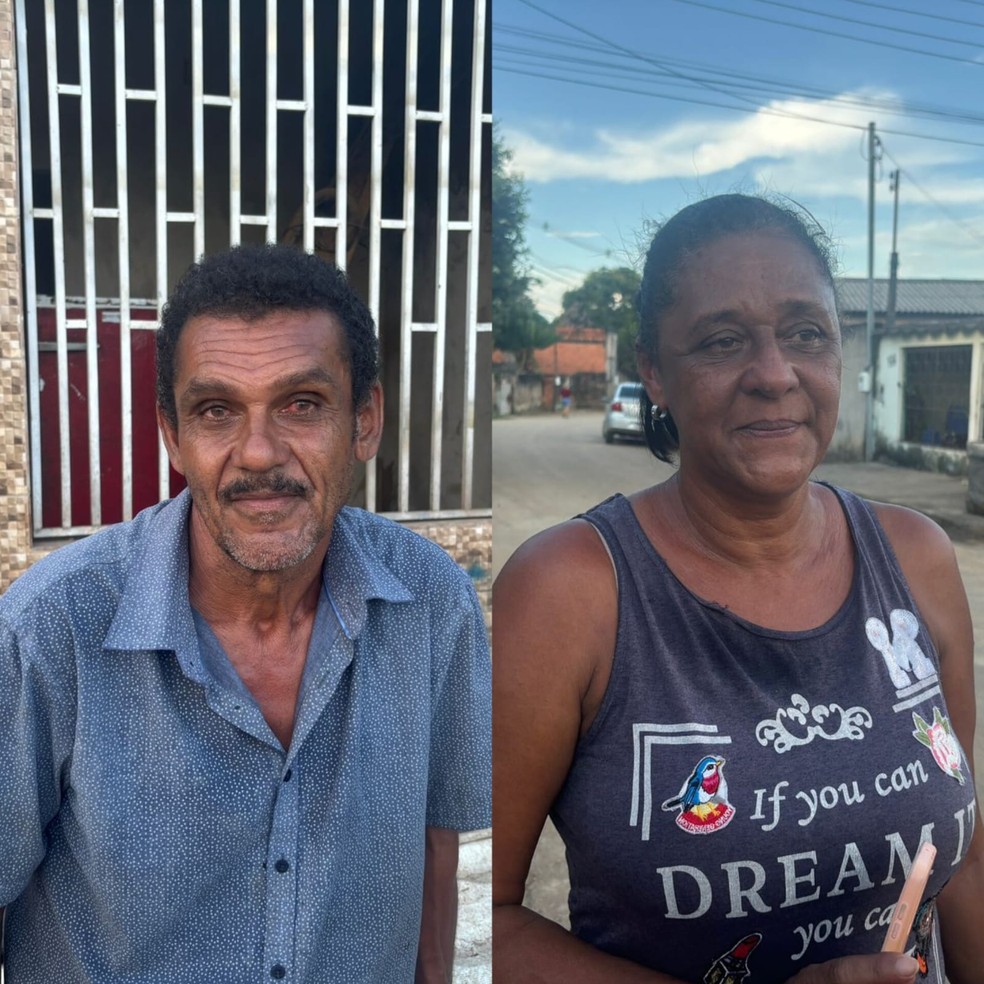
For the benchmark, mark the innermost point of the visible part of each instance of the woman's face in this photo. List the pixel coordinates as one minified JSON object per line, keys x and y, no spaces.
{"x":749,"y":364}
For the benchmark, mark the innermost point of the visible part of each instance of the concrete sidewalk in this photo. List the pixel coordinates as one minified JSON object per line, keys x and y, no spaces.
{"x":941,"y":497}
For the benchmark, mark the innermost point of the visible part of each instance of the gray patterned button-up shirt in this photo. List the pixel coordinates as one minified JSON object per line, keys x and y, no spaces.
{"x":152,"y":828}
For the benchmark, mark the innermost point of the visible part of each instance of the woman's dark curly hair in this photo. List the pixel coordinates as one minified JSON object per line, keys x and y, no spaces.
{"x":250,"y":282}
{"x":691,"y":229}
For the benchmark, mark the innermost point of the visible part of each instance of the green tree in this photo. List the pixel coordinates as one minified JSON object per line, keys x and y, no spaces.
{"x":517,"y":326}
{"x":607,"y":299}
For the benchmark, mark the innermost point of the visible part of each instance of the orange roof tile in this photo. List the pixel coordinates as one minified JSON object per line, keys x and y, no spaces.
{"x":570,"y":358}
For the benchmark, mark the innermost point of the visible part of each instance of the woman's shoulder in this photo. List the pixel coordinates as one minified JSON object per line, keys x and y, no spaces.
{"x":570,"y":555}
{"x":917,"y":540}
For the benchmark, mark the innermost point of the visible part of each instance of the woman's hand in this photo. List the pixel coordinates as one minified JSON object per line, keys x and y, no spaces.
{"x":867,"y":968}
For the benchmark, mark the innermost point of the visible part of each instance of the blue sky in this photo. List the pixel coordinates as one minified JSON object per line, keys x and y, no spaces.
{"x":582,"y":102}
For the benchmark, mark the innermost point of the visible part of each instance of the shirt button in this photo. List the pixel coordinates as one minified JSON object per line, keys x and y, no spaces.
{"x":282,"y":865}
{"x":278,"y":971}
{"x":287,"y":775}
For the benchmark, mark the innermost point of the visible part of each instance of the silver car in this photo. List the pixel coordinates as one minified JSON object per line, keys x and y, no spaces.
{"x":622,"y":417}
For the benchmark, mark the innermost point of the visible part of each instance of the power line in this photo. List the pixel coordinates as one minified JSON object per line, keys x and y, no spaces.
{"x":943,"y":208}
{"x":770,"y":87}
{"x":864,"y":23}
{"x":917,"y":13}
{"x":739,"y":109}
{"x":954,"y":113}
{"x":833,"y":34}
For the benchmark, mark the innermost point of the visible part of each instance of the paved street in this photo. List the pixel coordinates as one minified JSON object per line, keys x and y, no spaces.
{"x":548,"y":469}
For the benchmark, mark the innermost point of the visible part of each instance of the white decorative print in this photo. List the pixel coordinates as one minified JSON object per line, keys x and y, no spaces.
{"x":644,"y":736}
{"x":791,"y":725}
{"x":703,"y":799}
{"x":939,"y":739}
{"x":901,"y":651}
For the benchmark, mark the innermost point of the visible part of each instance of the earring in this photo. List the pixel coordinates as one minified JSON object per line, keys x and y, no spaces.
{"x":657,"y":414}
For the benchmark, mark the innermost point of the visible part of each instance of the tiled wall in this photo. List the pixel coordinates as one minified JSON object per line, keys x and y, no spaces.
{"x":469,"y":542}
{"x":15,"y":520}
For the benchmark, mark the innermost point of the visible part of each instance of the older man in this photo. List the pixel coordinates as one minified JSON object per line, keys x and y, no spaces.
{"x":239,"y":734}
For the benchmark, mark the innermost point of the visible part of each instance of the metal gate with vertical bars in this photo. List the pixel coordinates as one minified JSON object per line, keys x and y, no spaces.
{"x":151,"y":134}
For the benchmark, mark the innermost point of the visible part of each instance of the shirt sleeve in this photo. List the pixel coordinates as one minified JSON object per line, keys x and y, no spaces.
{"x":36,"y":732}
{"x":459,"y":786}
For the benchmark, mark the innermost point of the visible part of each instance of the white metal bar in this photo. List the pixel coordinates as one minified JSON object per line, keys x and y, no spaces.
{"x":474,"y":224}
{"x":292,"y":105}
{"x":235,"y":136}
{"x":376,"y":200}
{"x":212,"y":100}
{"x":441,"y":259}
{"x":89,"y":245}
{"x":58,"y":236}
{"x":356,"y":109}
{"x":487,"y":117}
{"x":393,"y":224}
{"x":271,"y":120}
{"x":105,"y":212}
{"x":253,"y":220}
{"x":123,"y":245}
{"x":160,"y":207}
{"x":148,"y":95}
{"x":68,"y":89}
{"x":308,"y":191}
{"x":76,"y":322}
{"x":325,"y":221}
{"x":43,"y":213}
{"x":429,"y":115}
{"x":406,"y":311}
{"x":484,"y":326}
{"x":188,"y":217}
{"x":341,"y":142}
{"x":425,"y":326}
{"x":463,"y":225}
{"x":198,"y":127}
{"x":30,"y":275}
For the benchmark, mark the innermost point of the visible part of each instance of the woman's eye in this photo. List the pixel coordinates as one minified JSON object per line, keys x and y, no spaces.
{"x":807,"y":334}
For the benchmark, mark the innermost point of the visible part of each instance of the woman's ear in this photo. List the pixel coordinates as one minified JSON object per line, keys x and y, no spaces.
{"x":651,"y":377}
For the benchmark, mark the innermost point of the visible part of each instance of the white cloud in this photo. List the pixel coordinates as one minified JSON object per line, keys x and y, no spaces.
{"x":780,"y":152}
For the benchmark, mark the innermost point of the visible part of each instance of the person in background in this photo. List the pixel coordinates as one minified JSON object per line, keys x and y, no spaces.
{"x":744,"y":697}
{"x":239,"y":734}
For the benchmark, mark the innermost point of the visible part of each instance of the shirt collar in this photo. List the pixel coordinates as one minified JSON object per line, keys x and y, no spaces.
{"x":154,"y":611}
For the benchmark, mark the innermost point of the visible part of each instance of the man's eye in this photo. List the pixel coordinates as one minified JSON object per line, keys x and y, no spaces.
{"x":722,"y":343}
{"x":215,"y":413}
{"x":302,"y":407}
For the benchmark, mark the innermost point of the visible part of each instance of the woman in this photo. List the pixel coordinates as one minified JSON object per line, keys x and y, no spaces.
{"x":743,"y":697}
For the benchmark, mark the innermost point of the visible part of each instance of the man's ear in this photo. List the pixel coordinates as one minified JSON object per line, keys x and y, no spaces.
{"x":651,"y":378}
{"x":369,"y":424}
{"x":169,"y":432}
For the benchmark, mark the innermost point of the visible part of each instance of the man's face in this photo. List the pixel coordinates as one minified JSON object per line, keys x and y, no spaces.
{"x":266,"y":434}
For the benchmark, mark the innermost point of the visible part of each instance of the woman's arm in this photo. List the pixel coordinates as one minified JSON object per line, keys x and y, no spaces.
{"x":930,"y":566}
{"x":555,"y":606}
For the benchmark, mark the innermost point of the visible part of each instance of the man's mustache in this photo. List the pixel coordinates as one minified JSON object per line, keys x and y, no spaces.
{"x":276,"y":483}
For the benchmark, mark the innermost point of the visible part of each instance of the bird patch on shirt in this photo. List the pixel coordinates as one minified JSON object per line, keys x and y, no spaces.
{"x":703,"y":799}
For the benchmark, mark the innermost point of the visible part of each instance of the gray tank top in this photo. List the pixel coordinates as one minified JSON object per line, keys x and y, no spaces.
{"x":748,"y":801}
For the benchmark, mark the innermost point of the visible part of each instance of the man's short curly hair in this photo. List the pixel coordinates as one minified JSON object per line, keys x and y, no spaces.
{"x":250,"y":282}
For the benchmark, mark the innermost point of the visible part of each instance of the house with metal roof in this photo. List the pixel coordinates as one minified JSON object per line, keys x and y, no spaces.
{"x":928,"y":379}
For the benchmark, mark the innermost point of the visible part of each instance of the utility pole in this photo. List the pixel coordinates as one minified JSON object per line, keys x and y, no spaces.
{"x":893,"y":268}
{"x":869,"y":402}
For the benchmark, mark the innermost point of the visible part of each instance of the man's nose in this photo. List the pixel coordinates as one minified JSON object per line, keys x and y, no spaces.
{"x":260,"y":445}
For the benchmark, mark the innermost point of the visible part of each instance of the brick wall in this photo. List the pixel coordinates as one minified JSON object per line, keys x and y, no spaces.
{"x":15,"y":518}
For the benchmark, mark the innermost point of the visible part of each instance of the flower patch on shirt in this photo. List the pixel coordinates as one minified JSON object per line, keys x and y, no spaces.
{"x":939,"y":739}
